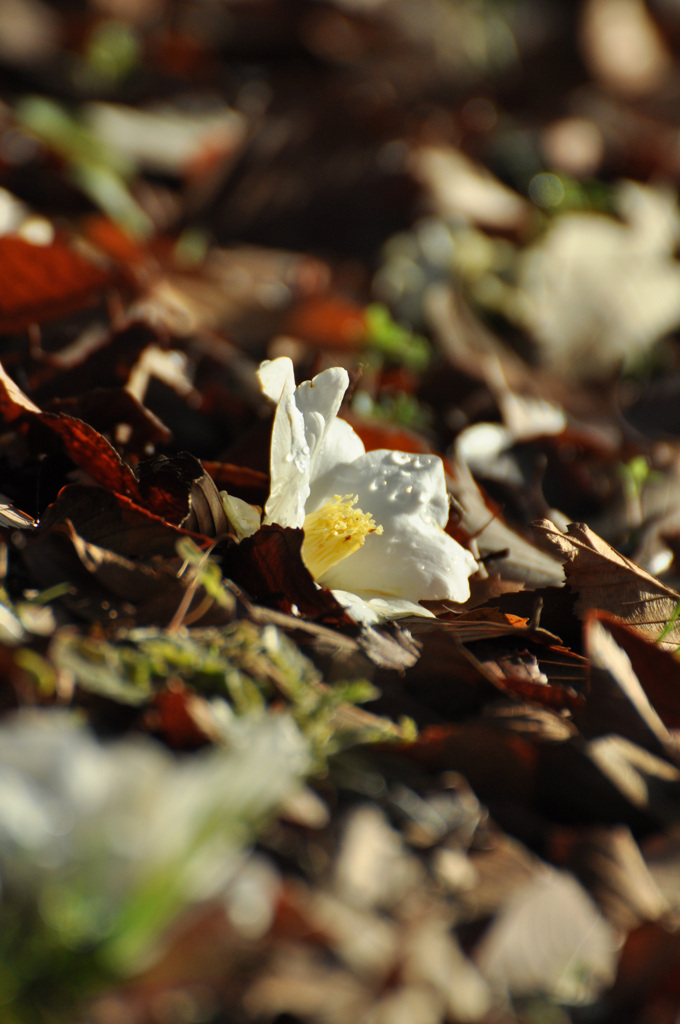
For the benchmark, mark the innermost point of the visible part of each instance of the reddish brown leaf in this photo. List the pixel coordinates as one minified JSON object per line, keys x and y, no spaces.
{"x":519,"y":659}
{"x":520,"y":672}
{"x":93,"y":453}
{"x":43,"y":282}
{"x":250,"y":484}
{"x":93,"y":362}
{"x":269,"y":567}
{"x":498,"y":764}
{"x":171,"y":716}
{"x":86,"y":446}
{"x":328,"y":322}
{"x":113,"y":240}
{"x":387,"y":435}
{"x":113,"y":521}
{"x":648,"y":975}
{"x":165,"y":486}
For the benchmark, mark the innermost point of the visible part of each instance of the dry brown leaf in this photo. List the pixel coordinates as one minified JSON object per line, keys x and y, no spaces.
{"x":105,"y":586}
{"x":658,"y":670}
{"x":518,"y":559}
{"x":499,"y":764}
{"x":608,"y":861}
{"x":609,"y":581}
{"x":646,"y":781}
{"x":512,"y":654}
{"x":617,"y":701}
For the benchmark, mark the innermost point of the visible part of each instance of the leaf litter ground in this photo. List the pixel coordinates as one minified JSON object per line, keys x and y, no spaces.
{"x":220,"y":798}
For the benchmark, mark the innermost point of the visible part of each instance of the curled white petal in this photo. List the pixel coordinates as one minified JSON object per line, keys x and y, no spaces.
{"x":277,"y":378}
{"x":302,"y":421}
{"x":319,"y":401}
{"x":243,"y":517}
{"x":371,"y":610}
{"x":289,"y":466}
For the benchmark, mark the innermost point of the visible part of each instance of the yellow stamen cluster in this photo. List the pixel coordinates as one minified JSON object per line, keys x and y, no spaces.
{"x":333,"y":532}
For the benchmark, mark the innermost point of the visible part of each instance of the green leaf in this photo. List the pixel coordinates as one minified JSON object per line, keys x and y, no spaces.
{"x":394,"y":342}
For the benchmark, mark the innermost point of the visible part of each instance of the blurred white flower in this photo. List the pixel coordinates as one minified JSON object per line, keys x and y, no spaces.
{"x":373,"y":521}
{"x":597,"y":292}
{"x":111,"y":842}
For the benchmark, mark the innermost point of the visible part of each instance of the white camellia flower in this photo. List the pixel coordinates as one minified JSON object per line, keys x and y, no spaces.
{"x":373,"y":521}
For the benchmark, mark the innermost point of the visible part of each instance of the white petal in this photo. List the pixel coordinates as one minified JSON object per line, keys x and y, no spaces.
{"x":323,"y":393}
{"x":368,"y":611}
{"x":302,"y":421}
{"x":340,"y":445}
{"x":277,"y":378}
{"x":289,"y":466}
{"x":243,"y":517}
{"x":414,"y":558}
{"x":319,"y":400}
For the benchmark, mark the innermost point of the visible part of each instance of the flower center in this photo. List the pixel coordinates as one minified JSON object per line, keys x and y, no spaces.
{"x":333,"y":532}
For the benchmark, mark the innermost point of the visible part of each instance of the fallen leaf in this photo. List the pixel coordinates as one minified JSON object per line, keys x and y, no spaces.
{"x":510,"y":554}
{"x":657,"y":669}
{"x":648,"y":974}
{"x":646,"y":781}
{"x":116,"y":412}
{"x":461,"y":187}
{"x":171,"y":715}
{"x":107,"y":587}
{"x":610,"y":864}
{"x":607,"y":580}
{"x":92,"y":452}
{"x":44,"y":282}
{"x":617,"y":701}
{"x":269,"y":567}
{"x":99,"y":359}
{"x":549,"y":939}
{"x":517,"y":658}
{"x":500,"y":765}
{"x":179,"y":489}
{"x":113,"y":521}
{"x":598,"y":292}
{"x":14,"y":518}
{"x":327,"y":322}
{"x":13,"y":401}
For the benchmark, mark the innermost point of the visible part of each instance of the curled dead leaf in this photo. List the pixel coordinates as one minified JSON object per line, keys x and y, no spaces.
{"x":607,"y":580}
